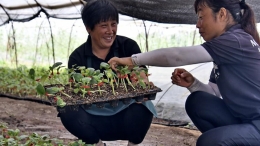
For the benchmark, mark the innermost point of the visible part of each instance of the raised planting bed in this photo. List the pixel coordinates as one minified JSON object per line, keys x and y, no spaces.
{"x":88,"y":87}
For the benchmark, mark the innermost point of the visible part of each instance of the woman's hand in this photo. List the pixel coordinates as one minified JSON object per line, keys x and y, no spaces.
{"x":182,"y":78}
{"x":115,"y":61}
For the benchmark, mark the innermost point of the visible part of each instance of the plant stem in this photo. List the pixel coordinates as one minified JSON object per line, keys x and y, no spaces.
{"x":65,"y":94}
{"x":129,"y":83}
{"x":123,"y":81}
{"x":117,"y":82}
{"x":112,"y":85}
{"x":99,"y":90}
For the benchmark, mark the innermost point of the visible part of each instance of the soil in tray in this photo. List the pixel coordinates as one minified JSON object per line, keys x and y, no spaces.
{"x":105,"y":96}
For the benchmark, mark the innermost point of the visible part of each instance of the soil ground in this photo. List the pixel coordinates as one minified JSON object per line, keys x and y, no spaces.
{"x":31,"y":117}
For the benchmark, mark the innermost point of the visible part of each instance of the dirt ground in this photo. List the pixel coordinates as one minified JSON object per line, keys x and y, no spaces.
{"x":35,"y":117}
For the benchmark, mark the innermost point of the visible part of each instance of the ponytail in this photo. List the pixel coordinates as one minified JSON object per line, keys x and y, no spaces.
{"x":248,"y":22}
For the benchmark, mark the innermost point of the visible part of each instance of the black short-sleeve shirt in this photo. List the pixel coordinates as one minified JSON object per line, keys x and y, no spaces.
{"x":236,"y":71}
{"x":122,"y":47}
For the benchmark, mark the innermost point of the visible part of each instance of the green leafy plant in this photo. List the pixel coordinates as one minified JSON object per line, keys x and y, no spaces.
{"x":11,"y":137}
{"x":77,"y":85}
{"x":123,"y":74}
{"x":87,"y":85}
{"x":110,"y":75}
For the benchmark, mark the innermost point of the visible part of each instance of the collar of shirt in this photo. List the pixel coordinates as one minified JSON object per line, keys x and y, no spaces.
{"x":234,"y":27}
{"x":88,"y":46}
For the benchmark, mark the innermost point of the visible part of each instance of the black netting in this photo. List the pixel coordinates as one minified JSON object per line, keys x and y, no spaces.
{"x":167,"y":11}
{"x":163,"y":11}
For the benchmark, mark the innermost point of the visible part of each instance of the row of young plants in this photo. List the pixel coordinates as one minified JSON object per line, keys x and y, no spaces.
{"x":22,"y":81}
{"x":57,"y":83}
{"x":87,"y":84}
{"x":13,"y":137}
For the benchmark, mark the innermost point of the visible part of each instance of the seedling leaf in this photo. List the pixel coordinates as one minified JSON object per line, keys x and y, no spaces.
{"x":43,"y":78}
{"x":52,"y":90}
{"x":104,"y":65}
{"x":76,"y":90}
{"x":77,"y":76}
{"x":60,"y":102}
{"x":56,"y":64}
{"x":40,"y":89}
{"x":32,"y":73}
{"x":86,"y":80}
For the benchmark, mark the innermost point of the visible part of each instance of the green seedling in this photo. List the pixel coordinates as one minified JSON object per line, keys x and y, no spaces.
{"x":109,"y":74}
{"x":137,"y":76}
{"x":124,"y":72}
{"x":98,"y":78}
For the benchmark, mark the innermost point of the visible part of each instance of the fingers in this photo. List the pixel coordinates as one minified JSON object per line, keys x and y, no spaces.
{"x":185,"y":74}
{"x":176,"y":75}
{"x":175,"y":80}
{"x":179,"y":71}
{"x":114,"y":66}
{"x":181,"y":77}
{"x":114,"y":59}
{"x":113,"y":62}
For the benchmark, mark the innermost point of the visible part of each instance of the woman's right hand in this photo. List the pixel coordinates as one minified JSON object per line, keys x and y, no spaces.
{"x":182,"y":78}
{"x":115,"y":61}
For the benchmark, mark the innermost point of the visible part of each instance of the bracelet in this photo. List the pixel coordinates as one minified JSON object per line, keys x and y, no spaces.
{"x":133,"y":57}
{"x":194,"y":86}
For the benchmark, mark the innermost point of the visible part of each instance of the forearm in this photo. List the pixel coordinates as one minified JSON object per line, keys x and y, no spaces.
{"x":172,"y":57}
{"x":209,"y":88}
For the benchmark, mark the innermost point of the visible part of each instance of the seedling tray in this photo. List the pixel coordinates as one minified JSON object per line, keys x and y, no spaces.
{"x":95,"y":99}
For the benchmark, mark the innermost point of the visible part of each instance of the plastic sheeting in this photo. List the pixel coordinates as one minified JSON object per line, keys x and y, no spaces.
{"x":26,"y":10}
{"x":162,"y":11}
{"x":170,"y":103}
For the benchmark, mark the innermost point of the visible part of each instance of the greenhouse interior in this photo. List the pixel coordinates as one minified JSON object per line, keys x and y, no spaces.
{"x":36,"y":34}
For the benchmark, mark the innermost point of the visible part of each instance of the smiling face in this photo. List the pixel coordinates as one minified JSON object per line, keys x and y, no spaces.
{"x":211,"y":25}
{"x":103,"y":34}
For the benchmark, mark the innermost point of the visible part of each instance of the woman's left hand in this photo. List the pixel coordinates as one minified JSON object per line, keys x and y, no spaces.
{"x":182,"y":78}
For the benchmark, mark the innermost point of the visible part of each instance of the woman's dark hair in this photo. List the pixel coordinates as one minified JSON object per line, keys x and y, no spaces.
{"x":97,"y":11}
{"x":239,"y":10}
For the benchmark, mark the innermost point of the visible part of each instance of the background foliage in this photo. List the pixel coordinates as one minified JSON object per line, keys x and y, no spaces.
{"x":33,"y":40}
